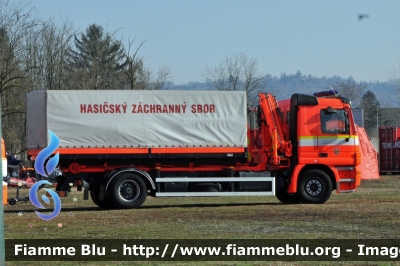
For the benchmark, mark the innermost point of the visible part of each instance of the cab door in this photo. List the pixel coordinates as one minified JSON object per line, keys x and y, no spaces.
{"x":335,"y":143}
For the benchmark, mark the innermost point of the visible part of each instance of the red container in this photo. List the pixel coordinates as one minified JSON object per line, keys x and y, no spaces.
{"x":389,"y":149}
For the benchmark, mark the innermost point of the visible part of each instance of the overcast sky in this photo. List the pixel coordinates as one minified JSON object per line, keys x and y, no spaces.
{"x":321,"y":38}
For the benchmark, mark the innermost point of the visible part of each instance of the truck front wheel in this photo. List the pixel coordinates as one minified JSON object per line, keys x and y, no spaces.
{"x":128,"y":191}
{"x":314,"y":186}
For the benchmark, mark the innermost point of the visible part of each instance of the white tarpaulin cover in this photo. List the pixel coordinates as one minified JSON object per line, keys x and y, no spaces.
{"x":137,"y":118}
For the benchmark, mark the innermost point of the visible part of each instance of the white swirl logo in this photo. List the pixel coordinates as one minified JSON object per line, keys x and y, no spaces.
{"x":46,"y":170}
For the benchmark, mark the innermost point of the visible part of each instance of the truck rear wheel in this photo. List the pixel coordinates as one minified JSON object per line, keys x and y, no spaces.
{"x":106,"y":202}
{"x":314,"y":186}
{"x":128,"y":191}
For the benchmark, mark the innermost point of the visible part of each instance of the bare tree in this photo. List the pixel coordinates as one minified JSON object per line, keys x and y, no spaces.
{"x":395,"y":80}
{"x":17,"y":28}
{"x":238,"y":72}
{"x":351,"y":90}
{"x":391,"y":110}
{"x":53,"y":44}
{"x":140,"y":77}
{"x":134,"y":70}
{"x":161,"y":80}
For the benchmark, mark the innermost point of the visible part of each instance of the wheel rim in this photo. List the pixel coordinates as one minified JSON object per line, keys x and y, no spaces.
{"x":314,"y":187}
{"x":129,"y":190}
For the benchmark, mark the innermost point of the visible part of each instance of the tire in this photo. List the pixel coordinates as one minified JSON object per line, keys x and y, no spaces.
{"x":286,"y":198}
{"x":128,"y":191}
{"x":12,"y":201}
{"x":105,"y":203}
{"x":281,"y":194}
{"x":314,"y":186}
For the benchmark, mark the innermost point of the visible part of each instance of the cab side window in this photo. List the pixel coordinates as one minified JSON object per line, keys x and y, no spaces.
{"x":334,"y":121}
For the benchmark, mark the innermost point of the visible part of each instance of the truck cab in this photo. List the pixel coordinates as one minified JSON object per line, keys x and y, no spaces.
{"x":325,"y":146}
{"x":316,"y":143}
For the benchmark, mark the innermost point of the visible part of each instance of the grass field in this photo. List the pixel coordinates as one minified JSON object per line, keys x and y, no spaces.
{"x":372,"y":212}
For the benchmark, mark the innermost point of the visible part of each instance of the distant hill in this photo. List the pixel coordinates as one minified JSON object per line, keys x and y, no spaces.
{"x":285,"y":85}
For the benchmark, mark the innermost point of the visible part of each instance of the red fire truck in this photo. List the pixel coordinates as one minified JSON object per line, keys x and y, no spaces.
{"x":125,"y":145}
